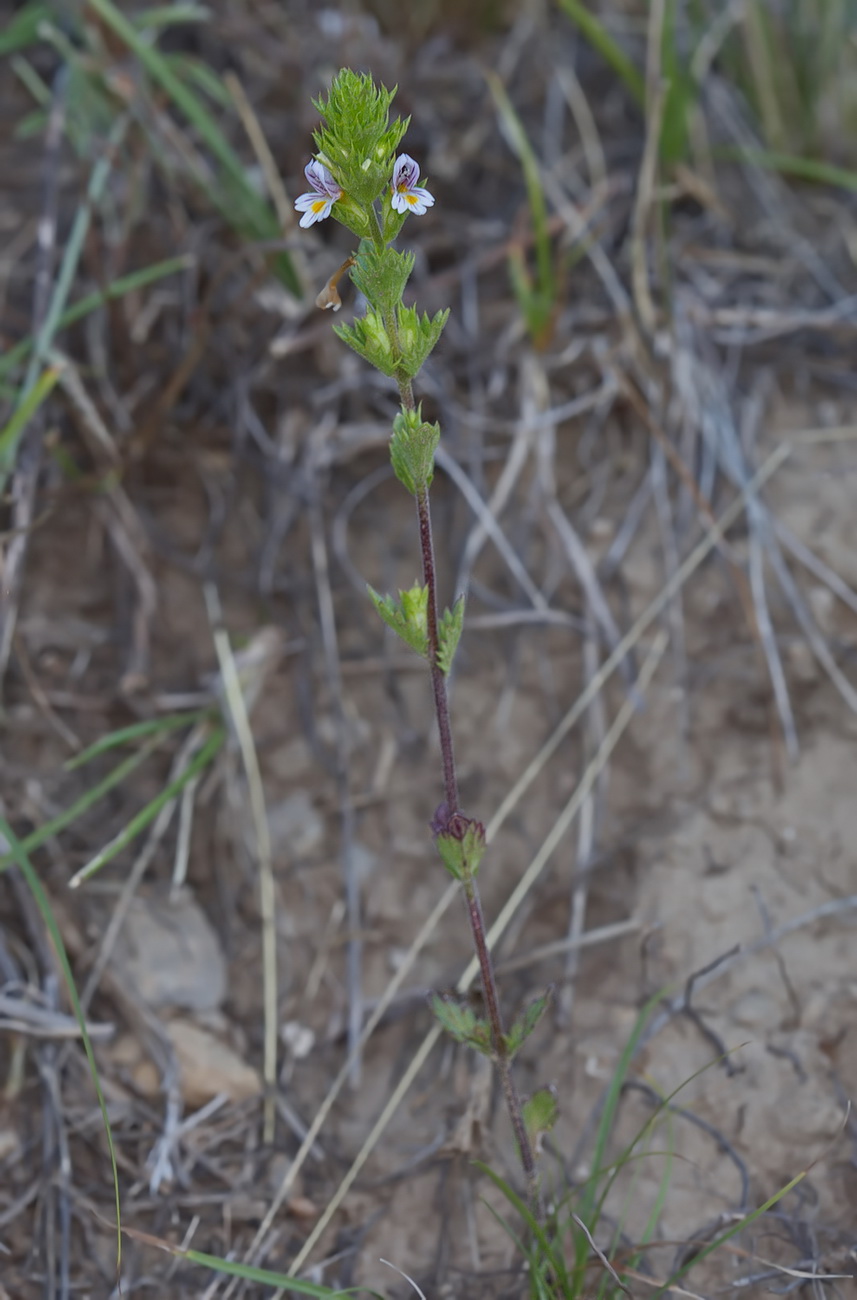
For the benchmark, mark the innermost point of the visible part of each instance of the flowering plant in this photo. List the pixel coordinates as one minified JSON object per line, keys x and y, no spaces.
{"x":358,"y":179}
{"x":318,"y":204}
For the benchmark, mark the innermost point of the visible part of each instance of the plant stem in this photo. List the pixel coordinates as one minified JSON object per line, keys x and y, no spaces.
{"x":501,"y":1052}
{"x":441,"y":707}
{"x":406,"y":387}
{"x":438,"y":681}
{"x":471,"y":891}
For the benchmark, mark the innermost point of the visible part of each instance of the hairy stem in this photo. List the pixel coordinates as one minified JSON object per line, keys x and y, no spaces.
{"x":441,"y":707}
{"x":438,"y":681}
{"x":501,"y":1052}
{"x":405,"y":383}
{"x":474,"y":905}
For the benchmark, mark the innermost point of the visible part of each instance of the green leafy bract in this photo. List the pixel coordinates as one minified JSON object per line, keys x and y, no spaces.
{"x":357,"y":143}
{"x":381,"y":275}
{"x":449,"y":635}
{"x":412,"y":448}
{"x":540,"y":1114}
{"x":368,"y":336}
{"x":462,"y":850}
{"x":461,"y":1022}
{"x":408,"y":617}
{"x":417,"y":336}
{"x":526,"y":1022}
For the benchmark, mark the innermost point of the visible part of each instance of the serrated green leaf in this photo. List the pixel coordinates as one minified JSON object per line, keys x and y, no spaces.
{"x":381,"y":275}
{"x":417,"y":336}
{"x":414,"y":606}
{"x":527,"y":1022}
{"x":412,"y":449}
{"x":407,"y":617}
{"x":367,"y":335}
{"x":401,"y":461}
{"x":357,"y":139}
{"x":462,"y":1023}
{"x":449,"y":635}
{"x":540,"y":1115}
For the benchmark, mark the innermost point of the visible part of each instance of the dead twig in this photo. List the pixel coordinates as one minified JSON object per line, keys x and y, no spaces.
{"x":239,"y":711}
{"x":333,"y":672}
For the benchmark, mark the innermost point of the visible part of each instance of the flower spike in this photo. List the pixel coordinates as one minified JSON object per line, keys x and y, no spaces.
{"x":325,"y":192}
{"x":359,"y":178}
{"x":408,"y":196}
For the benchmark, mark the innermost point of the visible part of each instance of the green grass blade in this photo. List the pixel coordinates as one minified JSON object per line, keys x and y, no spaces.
{"x":195,"y":71}
{"x":151,"y":810}
{"x":540,"y":302}
{"x":264,"y":1275}
{"x":254,"y":215}
{"x":68,"y":268}
{"x":805,"y":169}
{"x":92,"y":301}
{"x":607,"y":1121}
{"x":171,"y":15}
{"x":248,"y":1272}
{"x":84,"y":803}
{"x":592,"y":1198}
{"x":536,"y":1264}
{"x":136,"y":731}
{"x":508,"y":1229}
{"x":663,"y":1188}
{"x":552,"y":1255}
{"x":10,"y":436}
{"x":612,"y":53}
{"x":532,"y":178}
{"x":647,"y":1133}
{"x":74,"y":243}
{"x":159,"y":69}
{"x":35,"y":84}
{"x":19,"y":856}
{"x":23,"y":30}
{"x":727,"y":1235}
{"x":681,"y":93}
{"x":629,"y":1154}
{"x":759,"y":37}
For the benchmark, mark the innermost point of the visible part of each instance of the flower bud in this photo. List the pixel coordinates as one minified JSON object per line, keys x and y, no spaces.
{"x":460,"y":842}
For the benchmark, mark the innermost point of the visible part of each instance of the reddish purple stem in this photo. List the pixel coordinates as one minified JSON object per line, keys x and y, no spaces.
{"x":438,"y":681}
{"x":474,"y":906}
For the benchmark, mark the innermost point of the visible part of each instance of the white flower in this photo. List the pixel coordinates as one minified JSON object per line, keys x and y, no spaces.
{"x":325,"y":192}
{"x":407,"y":194}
